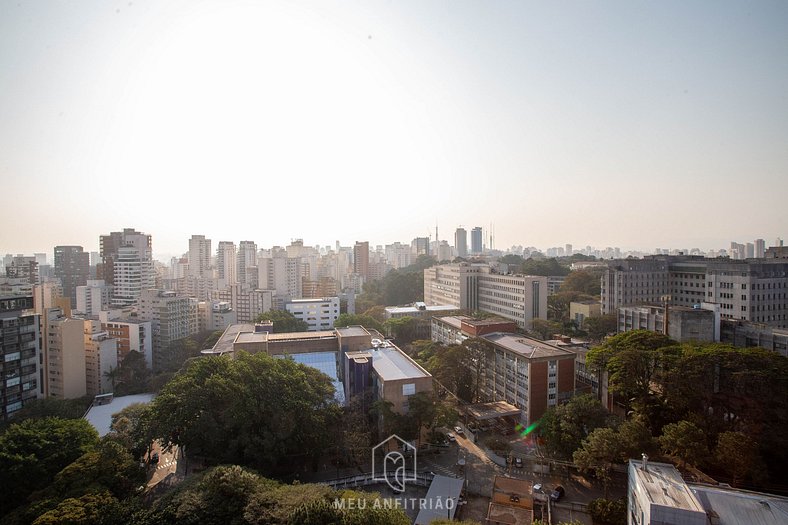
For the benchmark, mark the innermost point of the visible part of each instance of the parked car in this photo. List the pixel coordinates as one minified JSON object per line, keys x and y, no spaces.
{"x":459,"y":431}
{"x":518,"y":462}
{"x":537,"y":487}
{"x":451,"y":437}
{"x":557,"y":493}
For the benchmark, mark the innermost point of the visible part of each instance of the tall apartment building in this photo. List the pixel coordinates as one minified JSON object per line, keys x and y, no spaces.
{"x":361,"y":259}
{"x":72,"y":267}
{"x":461,"y":242}
{"x":281,"y":274}
{"x":420,"y":246}
{"x":247,"y":262}
{"x":64,"y":359}
{"x":246,"y":303}
{"x":751,"y":290}
{"x":215,"y":315}
{"x":398,"y":255}
{"x":226,"y":262}
{"x":132,"y":334}
{"x":49,"y":294}
{"x":172,"y":317}
{"x":101,"y":358}
{"x":20,"y":345}
{"x":23,"y":267}
{"x":477,"y":246}
{"x":199,"y":256}
{"x":319,"y":314}
{"x":126,"y":264}
{"x":520,"y":298}
{"x":94,"y":297}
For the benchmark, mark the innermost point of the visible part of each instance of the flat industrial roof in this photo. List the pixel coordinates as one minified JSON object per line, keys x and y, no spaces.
{"x":391,"y":364}
{"x":260,"y":337}
{"x":525,"y":346}
{"x":100,"y":416}
{"x":225,"y":342}
{"x":352,"y":331}
{"x":455,"y":321}
{"x":406,"y":309}
{"x":732,"y":507}
{"x":664,"y":485}
{"x":443,"y":492}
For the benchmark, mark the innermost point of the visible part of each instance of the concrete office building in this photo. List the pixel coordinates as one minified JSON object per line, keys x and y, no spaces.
{"x":20,"y":345}
{"x":745,"y":334}
{"x":64,"y":363}
{"x":200,"y":256}
{"x":520,"y":298}
{"x":461,"y":242}
{"x":420,"y":246}
{"x":657,"y":493}
{"x":684,"y":324}
{"x":318,"y":314}
{"x":454,"y":329}
{"x":281,"y":274}
{"x":477,"y":246}
{"x":579,"y":311}
{"x":72,"y":267}
{"x":172,"y":317}
{"x":750,"y":290}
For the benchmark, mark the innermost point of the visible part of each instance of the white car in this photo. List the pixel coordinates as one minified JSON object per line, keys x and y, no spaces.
{"x":458,"y":430}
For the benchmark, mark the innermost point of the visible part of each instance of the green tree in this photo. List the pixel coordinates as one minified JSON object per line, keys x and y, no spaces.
{"x":363,"y":512}
{"x":634,"y":361}
{"x":252,"y":410}
{"x":599,"y":327}
{"x":364,"y":320}
{"x":685,"y":441}
{"x":284,"y":321}
{"x":558,"y":304}
{"x":564,"y":427}
{"x":545,"y":330}
{"x":449,"y":366}
{"x":33,"y":451}
{"x":513,"y":260}
{"x":402,"y":329}
{"x":736,"y":454}
{"x":83,"y":510}
{"x":608,"y":512}
{"x":587,"y":282}
{"x":133,"y":374}
{"x":479,"y":354}
{"x":50,"y":407}
{"x":634,"y":438}
{"x":544,"y":267}
{"x":598,"y":452}
{"x":131,"y":428}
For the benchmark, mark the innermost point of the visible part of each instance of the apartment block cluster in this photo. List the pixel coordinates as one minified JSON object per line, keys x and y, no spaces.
{"x":739,"y":301}
{"x":91,"y":309}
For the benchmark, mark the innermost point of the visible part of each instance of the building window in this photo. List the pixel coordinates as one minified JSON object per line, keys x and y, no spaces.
{"x":409,"y":389}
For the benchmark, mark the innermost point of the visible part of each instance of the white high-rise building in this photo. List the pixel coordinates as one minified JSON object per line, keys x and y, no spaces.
{"x":281,"y":274}
{"x":226,"y":265}
{"x":247,"y":259}
{"x":93,"y":297}
{"x":398,"y":255}
{"x":199,"y":256}
{"x":127,"y":264}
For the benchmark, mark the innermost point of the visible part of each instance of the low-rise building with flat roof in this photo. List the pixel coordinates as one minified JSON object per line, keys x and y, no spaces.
{"x":453,"y":330}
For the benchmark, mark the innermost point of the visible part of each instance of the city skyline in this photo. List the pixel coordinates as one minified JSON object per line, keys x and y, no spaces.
{"x":628,"y":125}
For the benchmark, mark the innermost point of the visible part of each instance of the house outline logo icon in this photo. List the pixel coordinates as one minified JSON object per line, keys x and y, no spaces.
{"x":393,"y":467}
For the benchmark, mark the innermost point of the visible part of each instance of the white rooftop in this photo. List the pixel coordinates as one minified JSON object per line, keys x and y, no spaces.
{"x":391,"y":364}
{"x":101,"y":416}
{"x":434,"y":308}
{"x":732,"y":507}
{"x":664,"y":486}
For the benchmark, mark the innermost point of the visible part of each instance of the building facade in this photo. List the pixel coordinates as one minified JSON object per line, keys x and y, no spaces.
{"x":72,"y":267}
{"x":20,"y":345}
{"x":520,"y":298}
{"x":172,"y":317}
{"x":318,"y":314}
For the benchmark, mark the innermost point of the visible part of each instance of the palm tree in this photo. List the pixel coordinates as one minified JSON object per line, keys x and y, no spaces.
{"x":112,"y":374}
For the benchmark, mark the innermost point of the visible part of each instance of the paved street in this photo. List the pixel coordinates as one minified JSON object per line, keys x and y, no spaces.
{"x":167,"y":465}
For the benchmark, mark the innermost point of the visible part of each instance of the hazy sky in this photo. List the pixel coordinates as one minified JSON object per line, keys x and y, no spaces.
{"x":633,"y":124}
